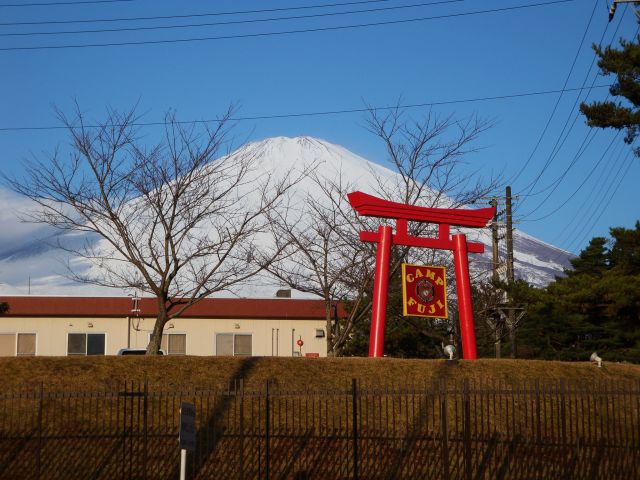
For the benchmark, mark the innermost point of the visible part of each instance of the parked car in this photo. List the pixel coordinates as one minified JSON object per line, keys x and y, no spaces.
{"x":136,"y":351}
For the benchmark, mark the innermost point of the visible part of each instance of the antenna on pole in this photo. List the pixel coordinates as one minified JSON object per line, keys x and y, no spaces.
{"x":135,"y":308}
{"x":614,"y":6}
{"x":612,"y":10}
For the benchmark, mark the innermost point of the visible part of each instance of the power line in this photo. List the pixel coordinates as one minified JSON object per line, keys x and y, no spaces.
{"x":593,"y":170}
{"x":581,"y":219}
{"x":56,"y":4}
{"x":555,"y":107}
{"x":195,"y":15}
{"x":586,"y":142}
{"x":323,"y":113}
{"x":605,"y":205}
{"x":582,"y":214}
{"x":560,"y":141}
{"x":287,"y":32}
{"x":232,"y":22}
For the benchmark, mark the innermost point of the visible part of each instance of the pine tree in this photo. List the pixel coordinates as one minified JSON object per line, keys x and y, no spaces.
{"x":595,"y":308}
{"x":592,"y":260}
{"x":625,"y":252}
{"x":624,"y":63}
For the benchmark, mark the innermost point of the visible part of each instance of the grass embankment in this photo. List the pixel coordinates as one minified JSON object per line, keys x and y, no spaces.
{"x":96,"y":373}
{"x":493,"y":433}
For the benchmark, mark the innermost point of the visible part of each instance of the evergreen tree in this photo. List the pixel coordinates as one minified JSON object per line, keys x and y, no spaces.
{"x":624,"y":63}
{"x":592,"y":260}
{"x":595,"y":308}
{"x":625,"y":252}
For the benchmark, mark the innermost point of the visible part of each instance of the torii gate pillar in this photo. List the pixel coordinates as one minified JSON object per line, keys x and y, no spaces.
{"x":463,"y":286}
{"x":380,"y":287}
{"x":367,"y":205}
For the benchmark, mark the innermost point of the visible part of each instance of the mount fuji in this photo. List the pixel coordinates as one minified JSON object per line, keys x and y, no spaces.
{"x":30,"y":263}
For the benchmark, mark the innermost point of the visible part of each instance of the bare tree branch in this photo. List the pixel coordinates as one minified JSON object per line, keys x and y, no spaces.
{"x":171,"y":218}
{"x":324,"y":254}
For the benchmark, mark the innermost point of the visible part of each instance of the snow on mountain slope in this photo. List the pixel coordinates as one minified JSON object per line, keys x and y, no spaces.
{"x":36,"y":262}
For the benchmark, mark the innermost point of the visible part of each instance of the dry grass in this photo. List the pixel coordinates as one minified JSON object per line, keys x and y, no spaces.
{"x":98,"y":435}
{"x":96,"y":373}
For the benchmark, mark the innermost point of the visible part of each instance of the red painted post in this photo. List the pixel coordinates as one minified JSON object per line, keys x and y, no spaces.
{"x":380,"y":286}
{"x":465,"y":310}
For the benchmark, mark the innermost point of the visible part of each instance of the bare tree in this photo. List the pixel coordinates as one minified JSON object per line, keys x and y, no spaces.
{"x":427,"y":153}
{"x":325,"y":255}
{"x":430,"y":155}
{"x":170,"y":220}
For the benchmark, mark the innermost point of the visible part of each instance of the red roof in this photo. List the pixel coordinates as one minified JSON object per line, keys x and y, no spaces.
{"x":277,"y":308}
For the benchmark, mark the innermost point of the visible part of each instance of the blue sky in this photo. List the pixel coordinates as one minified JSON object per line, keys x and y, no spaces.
{"x":460,"y":56}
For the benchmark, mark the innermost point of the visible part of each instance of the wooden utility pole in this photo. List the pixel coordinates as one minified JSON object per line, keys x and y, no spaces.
{"x":511,"y":314}
{"x":495,"y":322}
{"x":494,"y":243}
{"x":509,"y":236}
{"x":505,"y":315}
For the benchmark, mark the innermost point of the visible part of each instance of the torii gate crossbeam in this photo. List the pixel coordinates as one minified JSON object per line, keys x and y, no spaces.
{"x":368,"y":205}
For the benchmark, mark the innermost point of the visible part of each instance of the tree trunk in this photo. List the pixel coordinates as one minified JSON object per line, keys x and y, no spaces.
{"x":329,"y":330}
{"x":156,"y":336}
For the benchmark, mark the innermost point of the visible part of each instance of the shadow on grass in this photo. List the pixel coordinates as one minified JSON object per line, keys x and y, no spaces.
{"x":210,"y":433}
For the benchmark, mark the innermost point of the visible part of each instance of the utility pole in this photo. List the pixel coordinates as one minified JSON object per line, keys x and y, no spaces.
{"x":505,"y":314}
{"x":511,"y":314}
{"x":509,"y":236}
{"x":495,"y":323}
{"x":494,"y":243}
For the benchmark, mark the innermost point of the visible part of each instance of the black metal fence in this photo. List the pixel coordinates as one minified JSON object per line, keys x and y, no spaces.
{"x":445,"y":430}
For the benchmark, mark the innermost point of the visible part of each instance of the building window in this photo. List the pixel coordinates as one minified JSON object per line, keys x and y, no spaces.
{"x":86,"y":344}
{"x":26,"y":344}
{"x":20,"y":344}
{"x":174,"y":343}
{"x":7,"y":344}
{"x":233,"y":344}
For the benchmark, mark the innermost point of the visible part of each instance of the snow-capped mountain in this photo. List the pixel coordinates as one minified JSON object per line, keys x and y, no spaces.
{"x":30,"y":262}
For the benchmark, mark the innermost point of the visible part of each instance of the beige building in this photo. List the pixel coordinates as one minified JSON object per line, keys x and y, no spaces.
{"x":60,"y":326}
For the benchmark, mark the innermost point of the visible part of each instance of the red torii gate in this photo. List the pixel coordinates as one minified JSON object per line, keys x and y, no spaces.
{"x":370,"y":206}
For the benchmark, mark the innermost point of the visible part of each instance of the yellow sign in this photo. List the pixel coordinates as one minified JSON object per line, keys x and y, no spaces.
{"x":424,"y":291}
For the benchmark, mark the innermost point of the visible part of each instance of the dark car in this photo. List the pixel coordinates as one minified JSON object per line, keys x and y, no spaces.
{"x":136,"y":351}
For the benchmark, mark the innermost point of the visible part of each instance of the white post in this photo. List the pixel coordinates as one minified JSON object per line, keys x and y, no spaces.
{"x":183,"y":464}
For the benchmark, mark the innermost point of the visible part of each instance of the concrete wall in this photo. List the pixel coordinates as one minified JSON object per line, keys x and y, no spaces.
{"x":269,"y":337}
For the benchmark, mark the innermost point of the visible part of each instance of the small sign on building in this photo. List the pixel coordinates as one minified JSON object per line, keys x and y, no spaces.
{"x":187,"y":426}
{"x":424,"y":291}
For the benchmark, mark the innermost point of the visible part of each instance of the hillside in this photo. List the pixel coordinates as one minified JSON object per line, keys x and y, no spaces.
{"x":96,"y":373}
{"x":304,"y":419}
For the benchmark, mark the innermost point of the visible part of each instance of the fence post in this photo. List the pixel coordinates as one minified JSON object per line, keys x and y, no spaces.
{"x":563,"y":409}
{"x":443,"y":429}
{"x":267,"y":450}
{"x":466,"y":418}
{"x":146,"y":427}
{"x":38,"y":458}
{"x":124,"y":431}
{"x":354,"y":399}
{"x":538,"y":421}
{"x":242,"y":429}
